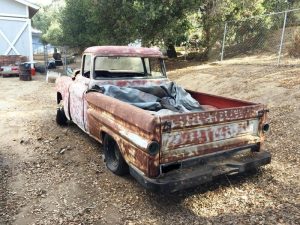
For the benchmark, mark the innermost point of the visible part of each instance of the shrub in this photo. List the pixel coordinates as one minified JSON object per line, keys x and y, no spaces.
{"x":294,"y":47}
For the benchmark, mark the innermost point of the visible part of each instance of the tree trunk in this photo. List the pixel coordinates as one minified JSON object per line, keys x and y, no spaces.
{"x":171,"y":51}
{"x":207,"y":42}
{"x":207,"y":23}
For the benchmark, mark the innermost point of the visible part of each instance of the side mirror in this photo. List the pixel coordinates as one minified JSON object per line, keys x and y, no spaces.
{"x":75,"y":73}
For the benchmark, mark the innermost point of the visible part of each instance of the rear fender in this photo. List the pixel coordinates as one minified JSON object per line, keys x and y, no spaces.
{"x":132,"y":128}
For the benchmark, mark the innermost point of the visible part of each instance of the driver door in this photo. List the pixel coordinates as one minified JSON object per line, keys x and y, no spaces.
{"x":77,"y":92}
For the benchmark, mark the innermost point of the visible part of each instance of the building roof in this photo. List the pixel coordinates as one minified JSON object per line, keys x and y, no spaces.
{"x":32,"y":7}
{"x":124,"y":51}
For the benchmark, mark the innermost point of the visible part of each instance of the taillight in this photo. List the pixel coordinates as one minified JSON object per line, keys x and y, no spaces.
{"x":153,"y":148}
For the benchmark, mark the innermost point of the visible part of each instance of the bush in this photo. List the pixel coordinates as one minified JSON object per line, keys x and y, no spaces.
{"x":199,"y":56}
{"x":294,"y":48}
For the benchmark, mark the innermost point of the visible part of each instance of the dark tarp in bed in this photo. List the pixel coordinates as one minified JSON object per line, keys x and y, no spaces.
{"x":154,"y":98}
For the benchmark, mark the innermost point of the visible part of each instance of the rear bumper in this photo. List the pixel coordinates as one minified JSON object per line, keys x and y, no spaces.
{"x":194,"y":175}
{"x":9,"y":73}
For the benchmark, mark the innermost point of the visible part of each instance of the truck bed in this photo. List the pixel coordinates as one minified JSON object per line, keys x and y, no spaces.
{"x":233,"y":124}
{"x":181,"y":136}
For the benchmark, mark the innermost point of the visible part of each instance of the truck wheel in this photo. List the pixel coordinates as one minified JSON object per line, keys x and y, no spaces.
{"x":61,"y":118}
{"x":113,"y":157}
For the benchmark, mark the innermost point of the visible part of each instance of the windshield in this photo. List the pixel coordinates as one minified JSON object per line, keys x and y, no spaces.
{"x":115,"y":67}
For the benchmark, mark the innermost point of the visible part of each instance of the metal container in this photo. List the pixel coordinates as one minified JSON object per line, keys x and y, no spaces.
{"x":25,"y":72}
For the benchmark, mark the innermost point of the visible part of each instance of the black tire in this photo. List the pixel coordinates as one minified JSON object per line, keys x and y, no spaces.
{"x":113,"y":157}
{"x":61,"y":118}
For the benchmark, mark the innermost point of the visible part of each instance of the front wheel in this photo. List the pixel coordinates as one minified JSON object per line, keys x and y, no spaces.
{"x":61,"y":118}
{"x":113,"y":157}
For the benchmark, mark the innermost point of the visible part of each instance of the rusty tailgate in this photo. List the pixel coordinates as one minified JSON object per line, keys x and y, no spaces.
{"x":195,"y":134}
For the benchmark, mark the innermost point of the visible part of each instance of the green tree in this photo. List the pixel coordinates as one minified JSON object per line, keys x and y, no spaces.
{"x":152,"y":22}
{"x":278,"y":5}
{"x":213,"y":14}
{"x":83,"y":23}
{"x":92,"y":22}
{"x":114,"y":22}
{"x":76,"y":23}
{"x":164,"y":21}
{"x":47,"y":21}
{"x":54,"y":34}
{"x":42,"y":21}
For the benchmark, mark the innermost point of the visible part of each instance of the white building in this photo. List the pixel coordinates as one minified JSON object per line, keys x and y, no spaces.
{"x":15,"y":27}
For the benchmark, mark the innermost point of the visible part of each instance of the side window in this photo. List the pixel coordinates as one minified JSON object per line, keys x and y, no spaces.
{"x":86,"y":66}
{"x":154,"y":67}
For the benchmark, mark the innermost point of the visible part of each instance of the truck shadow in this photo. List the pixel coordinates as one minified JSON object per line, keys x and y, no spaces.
{"x":215,"y":184}
{"x":179,"y":203}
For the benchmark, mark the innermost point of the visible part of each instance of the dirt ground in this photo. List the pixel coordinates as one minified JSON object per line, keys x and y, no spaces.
{"x":55,"y":175}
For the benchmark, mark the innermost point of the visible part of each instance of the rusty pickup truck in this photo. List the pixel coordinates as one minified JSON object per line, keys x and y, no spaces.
{"x":166,"y":137}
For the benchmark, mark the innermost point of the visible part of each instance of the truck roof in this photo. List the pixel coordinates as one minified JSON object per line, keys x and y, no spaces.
{"x":124,"y":51}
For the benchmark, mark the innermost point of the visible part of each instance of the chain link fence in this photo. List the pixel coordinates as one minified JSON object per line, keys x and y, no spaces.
{"x":267,"y":39}
{"x":56,"y":58}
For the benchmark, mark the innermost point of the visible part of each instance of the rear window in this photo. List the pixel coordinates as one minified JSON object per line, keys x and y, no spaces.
{"x":114,"y":67}
{"x":130,"y":64}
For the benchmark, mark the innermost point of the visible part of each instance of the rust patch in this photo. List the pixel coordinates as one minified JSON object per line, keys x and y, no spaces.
{"x":212,"y":117}
{"x":132,"y":128}
{"x":193,"y":151}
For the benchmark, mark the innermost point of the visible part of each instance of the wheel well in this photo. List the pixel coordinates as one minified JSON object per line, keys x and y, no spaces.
{"x":59,"y":97}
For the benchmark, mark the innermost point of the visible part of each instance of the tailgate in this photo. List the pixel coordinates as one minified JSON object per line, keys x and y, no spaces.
{"x":194,"y":134}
